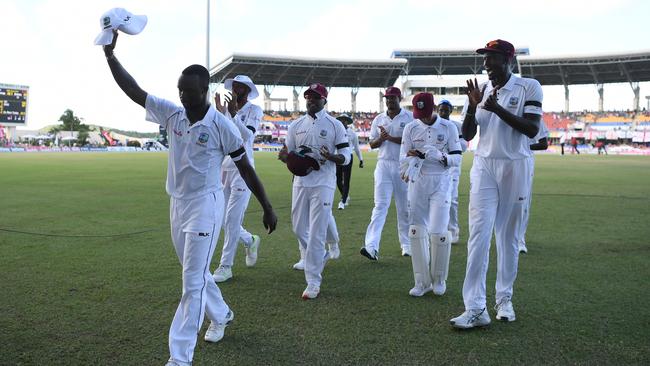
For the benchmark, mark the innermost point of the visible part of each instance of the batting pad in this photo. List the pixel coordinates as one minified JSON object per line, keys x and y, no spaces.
{"x":440,"y":253}
{"x":419,"y":238}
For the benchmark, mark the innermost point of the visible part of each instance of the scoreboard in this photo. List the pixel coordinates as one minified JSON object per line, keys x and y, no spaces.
{"x":13,"y":104}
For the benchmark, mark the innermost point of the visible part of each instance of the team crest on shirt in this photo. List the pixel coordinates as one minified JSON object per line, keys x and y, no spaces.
{"x":203,"y":138}
{"x":513,"y":101}
{"x":323,"y":133}
{"x":440,"y":137}
{"x":402,"y":124}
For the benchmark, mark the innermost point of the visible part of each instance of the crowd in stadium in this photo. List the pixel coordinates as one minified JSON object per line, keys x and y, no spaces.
{"x":614,"y":127}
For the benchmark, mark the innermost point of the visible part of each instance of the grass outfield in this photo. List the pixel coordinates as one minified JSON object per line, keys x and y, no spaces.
{"x":581,"y":295}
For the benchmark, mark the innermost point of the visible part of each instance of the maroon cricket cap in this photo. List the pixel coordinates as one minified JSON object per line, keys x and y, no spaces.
{"x":317,"y":88}
{"x":393,"y":91}
{"x":423,"y":105}
{"x":498,"y":46}
{"x":301,"y":165}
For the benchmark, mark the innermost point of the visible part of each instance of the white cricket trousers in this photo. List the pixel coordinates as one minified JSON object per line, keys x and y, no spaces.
{"x":454,"y":226}
{"x":195,"y":226}
{"x":311,"y":209}
{"x":524,"y":223}
{"x":428,"y":202}
{"x":388,"y":183}
{"x":236,"y":195}
{"x":499,"y":190}
{"x":332,"y":236}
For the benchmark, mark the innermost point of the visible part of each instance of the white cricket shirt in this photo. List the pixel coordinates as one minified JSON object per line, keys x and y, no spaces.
{"x":442,"y":135}
{"x":543,"y":132}
{"x":497,"y":139}
{"x":395,"y":127}
{"x":327,"y":131}
{"x":196,"y":152}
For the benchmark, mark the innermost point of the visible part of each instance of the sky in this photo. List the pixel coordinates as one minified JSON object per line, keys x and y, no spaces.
{"x":48,"y":44}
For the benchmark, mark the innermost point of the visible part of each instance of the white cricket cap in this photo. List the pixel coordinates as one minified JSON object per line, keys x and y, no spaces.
{"x":120,"y":19}
{"x":244,"y":80}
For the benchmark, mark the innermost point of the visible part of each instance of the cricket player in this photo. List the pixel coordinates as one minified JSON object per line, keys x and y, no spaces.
{"x":320,"y":140}
{"x":444,"y":110}
{"x":344,"y":172}
{"x":430,"y":147}
{"x":199,"y":139}
{"x":508,"y":109}
{"x":331,"y":238}
{"x":246,"y":117}
{"x":386,"y":135}
{"x":538,"y":143}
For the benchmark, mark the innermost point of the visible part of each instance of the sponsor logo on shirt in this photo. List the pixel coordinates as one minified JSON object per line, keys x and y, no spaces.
{"x":178,"y":133}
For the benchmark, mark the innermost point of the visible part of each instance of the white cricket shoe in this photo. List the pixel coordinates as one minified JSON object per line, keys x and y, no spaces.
{"x":372,"y":255}
{"x":471,"y":318}
{"x":311,"y":292}
{"x":439,"y":287}
{"x":300,"y":265}
{"x":215,"y":330}
{"x":505,"y":311}
{"x":347,"y":201}
{"x":251,"y":251}
{"x":341,"y":205}
{"x":406,"y":252}
{"x":172,"y":363}
{"x":222,"y":274}
{"x":522,"y":248}
{"x":334,"y":251}
{"x":418,"y":290}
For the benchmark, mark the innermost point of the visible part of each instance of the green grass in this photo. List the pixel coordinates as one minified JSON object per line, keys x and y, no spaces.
{"x":581,"y":294}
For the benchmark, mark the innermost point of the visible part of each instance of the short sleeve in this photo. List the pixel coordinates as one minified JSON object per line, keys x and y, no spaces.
{"x":534,"y":98}
{"x":255,"y":118}
{"x":374,"y":130}
{"x":341,"y":135}
{"x":159,"y":110}
{"x":231,"y":141}
{"x":453,"y":141}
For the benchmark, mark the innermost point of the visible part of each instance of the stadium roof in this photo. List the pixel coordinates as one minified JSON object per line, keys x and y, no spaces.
{"x":301,"y":71}
{"x":445,"y":62}
{"x":588,"y":69}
